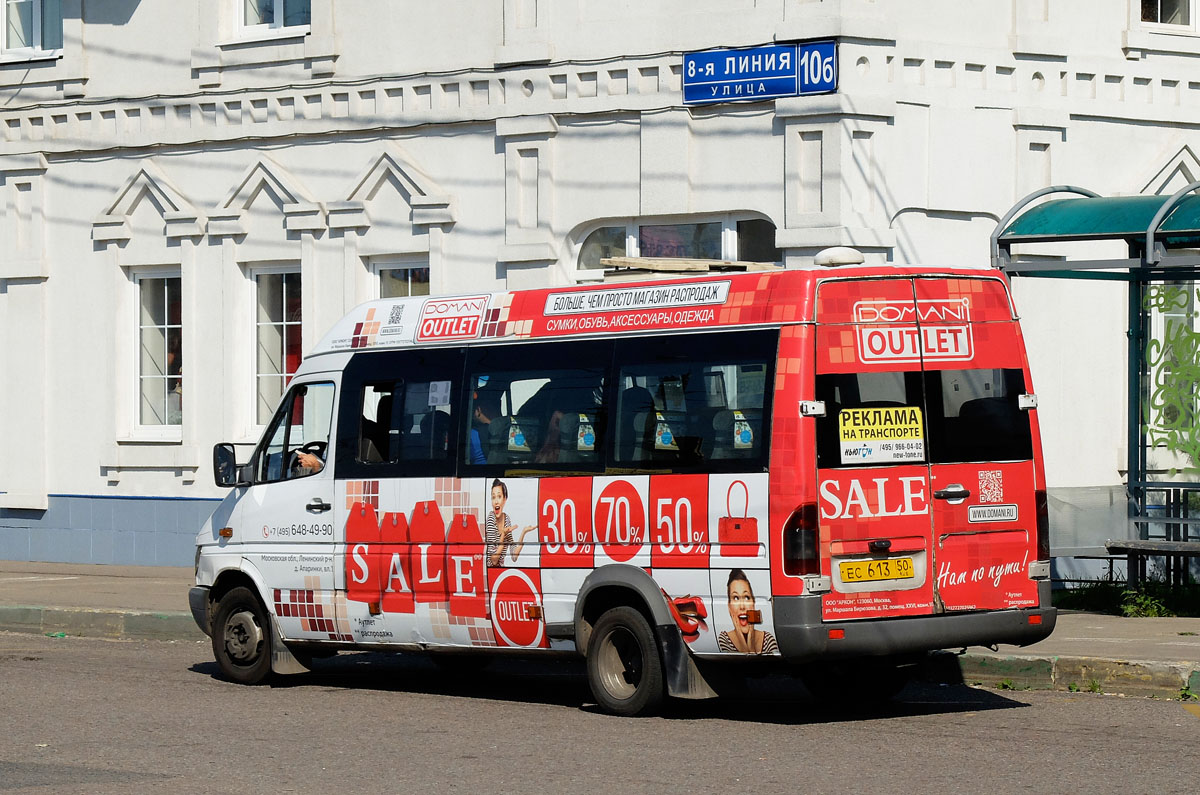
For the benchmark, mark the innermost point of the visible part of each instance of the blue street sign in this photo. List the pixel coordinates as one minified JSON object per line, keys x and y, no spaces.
{"x":776,"y":70}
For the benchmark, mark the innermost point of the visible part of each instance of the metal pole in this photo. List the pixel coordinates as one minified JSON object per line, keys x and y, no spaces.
{"x":1135,"y":470}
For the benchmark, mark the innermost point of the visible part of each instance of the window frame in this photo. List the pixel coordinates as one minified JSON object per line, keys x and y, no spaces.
{"x":397,"y":263}
{"x":245,"y":31}
{"x":253,"y":272}
{"x":1167,"y":27}
{"x":37,"y":51}
{"x":284,"y":409}
{"x":940,"y":433}
{"x":633,"y":225}
{"x":632,"y":352}
{"x":141,"y":431}
{"x":370,"y":368}
{"x":538,"y":352}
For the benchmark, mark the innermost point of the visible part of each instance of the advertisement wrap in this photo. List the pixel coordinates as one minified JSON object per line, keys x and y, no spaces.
{"x":474,"y":561}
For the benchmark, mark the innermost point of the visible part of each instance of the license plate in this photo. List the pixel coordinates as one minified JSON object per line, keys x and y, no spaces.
{"x":871,"y":570}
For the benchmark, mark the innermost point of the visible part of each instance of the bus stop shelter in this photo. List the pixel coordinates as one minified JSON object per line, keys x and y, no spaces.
{"x":1161,"y":236}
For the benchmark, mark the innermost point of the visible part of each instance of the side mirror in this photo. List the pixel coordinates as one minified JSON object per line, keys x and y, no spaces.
{"x":225,"y":469}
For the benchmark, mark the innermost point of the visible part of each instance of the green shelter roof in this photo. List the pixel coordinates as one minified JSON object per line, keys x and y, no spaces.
{"x":1106,"y":218}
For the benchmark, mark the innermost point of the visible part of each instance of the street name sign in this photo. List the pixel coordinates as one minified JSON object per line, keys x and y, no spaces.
{"x":757,"y":73}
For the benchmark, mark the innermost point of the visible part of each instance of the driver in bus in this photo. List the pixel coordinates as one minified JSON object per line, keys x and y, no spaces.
{"x":308,"y":463}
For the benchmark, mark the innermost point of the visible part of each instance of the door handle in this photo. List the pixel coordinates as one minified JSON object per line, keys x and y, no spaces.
{"x":318,"y":506}
{"x":954,"y":492}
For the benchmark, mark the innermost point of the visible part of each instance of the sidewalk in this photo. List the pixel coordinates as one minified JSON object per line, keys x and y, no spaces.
{"x":91,"y":600}
{"x":1089,"y":652}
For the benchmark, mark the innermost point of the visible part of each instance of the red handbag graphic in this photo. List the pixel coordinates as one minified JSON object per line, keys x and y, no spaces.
{"x":738,"y":536}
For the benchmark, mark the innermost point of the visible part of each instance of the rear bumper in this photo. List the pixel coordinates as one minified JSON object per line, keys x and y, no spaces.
{"x":198,"y":602}
{"x":803,"y":636}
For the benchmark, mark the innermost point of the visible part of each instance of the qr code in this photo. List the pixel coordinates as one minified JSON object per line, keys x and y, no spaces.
{"x":991,"y":486}
{"x":397,"y":313}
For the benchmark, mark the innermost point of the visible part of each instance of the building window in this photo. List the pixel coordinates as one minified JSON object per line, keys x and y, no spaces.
{"x":277,"y":338}
{"x":160,"y":341}
{"x":403,"y":282}
{"x":32,"y":25}
{"x":273,"y":14}
{"x":724,"y":238}
{"x":1167,"y":12}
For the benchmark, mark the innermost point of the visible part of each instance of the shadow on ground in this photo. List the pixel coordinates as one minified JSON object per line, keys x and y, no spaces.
{"x":562,"y":682}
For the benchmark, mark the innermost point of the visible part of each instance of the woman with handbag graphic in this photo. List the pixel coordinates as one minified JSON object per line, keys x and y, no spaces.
{"x":745,"y":637}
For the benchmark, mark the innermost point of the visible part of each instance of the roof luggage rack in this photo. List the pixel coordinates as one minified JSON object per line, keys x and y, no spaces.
{"x":618,"y":269}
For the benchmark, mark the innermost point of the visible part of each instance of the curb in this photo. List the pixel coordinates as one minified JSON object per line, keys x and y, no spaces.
{"x":81,"y":622}
{"x":1084,"y":674}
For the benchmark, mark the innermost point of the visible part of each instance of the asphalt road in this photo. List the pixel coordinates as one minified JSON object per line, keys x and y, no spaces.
{"x":85,"y":715}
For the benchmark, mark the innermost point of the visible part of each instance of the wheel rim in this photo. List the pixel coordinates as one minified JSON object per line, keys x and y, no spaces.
{"x":621,"y":663}
{"x":243,"y":637}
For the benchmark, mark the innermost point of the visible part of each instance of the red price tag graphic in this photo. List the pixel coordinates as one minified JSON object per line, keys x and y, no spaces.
{"x":362,"y":554}
{"x":620,"y":525}
{"x":464,"y":567}
{"x":565,"y":523}
{"x":395,"y":575}
{"x":679,"y":521}
{"x":427,"y":535}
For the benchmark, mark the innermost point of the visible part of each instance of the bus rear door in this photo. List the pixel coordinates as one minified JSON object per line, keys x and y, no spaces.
{"x":925,"y":458}
{"x":983,"y":472}
{"x":873,"y":480}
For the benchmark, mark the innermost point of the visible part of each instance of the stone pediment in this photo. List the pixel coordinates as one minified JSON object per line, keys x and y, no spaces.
{"x":148,"y":185}
{"x":393,"y":170}
{"x":1181,"y":170}
{"x":301,"y":212}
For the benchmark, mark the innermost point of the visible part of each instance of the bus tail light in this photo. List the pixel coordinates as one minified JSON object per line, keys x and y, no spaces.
{"x":1043,"y":524}
{"x":801,"y":554}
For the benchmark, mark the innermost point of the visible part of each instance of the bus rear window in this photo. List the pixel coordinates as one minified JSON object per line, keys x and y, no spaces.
{"x":977,"y":417}
{"x":936,"y":417}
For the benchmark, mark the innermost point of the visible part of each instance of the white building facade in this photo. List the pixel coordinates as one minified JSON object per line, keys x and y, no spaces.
{"x":192,"y":192}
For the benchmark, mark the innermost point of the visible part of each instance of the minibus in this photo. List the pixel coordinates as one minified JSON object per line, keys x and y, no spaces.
{"x":831,"y":471}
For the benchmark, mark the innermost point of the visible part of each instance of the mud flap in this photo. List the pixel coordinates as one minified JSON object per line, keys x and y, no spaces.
{"x":282,"y":659}
{"x":682,"y":677}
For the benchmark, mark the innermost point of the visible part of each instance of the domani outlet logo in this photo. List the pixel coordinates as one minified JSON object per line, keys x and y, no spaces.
{"x":451,"y":318}
{"x":904,"y":331}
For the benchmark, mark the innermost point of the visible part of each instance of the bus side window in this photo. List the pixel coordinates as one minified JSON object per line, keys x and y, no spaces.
{"x":398,"y":416}
{"x":537,"y":407}
{"x":694,"y":402}
{"x":301,"y":424}
{"x":375,"y":431}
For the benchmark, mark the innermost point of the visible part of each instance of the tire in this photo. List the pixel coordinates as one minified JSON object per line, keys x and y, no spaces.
{"x":241,"y":637}
{"x":624,"y":666}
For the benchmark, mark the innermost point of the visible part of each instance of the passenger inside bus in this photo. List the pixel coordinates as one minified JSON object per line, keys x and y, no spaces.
{"x":486,"y":409}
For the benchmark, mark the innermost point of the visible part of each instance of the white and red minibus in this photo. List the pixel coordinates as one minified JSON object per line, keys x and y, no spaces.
{"x":834,"y":470}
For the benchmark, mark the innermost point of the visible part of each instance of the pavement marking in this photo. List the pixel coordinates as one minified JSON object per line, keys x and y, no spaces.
{"x":1193,"y":708}
{"x":6,"y":580}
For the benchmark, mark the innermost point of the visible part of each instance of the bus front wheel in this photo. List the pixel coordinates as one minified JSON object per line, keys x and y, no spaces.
{"x":241,"y":637}
{"x":623,"y":663}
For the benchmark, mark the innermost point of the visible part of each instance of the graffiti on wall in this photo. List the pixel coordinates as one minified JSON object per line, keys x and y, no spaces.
{"x":1172,"y":371}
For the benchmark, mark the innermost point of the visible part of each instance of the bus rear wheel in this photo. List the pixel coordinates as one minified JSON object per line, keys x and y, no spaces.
{"x":241,"y":637}
{"x":623,"y":664}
